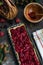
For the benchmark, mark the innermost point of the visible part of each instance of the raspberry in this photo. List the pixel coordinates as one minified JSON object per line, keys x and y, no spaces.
{"x":1,"y":34}
{"x":2,"y":20}
{"x":18,"y":20}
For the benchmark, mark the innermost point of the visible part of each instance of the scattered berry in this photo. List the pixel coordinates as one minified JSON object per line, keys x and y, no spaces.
{"x":1,"y":34}
{"x":2,"y":20}
{"x":18,"y":20}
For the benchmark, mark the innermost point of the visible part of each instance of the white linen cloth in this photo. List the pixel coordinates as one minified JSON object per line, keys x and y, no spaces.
{"x":38,"y":37}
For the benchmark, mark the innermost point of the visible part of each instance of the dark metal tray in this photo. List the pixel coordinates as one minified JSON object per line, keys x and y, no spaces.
{"x":31,"y":38}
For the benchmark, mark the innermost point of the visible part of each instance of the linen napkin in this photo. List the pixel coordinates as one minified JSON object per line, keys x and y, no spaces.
{"x":38,"y":37}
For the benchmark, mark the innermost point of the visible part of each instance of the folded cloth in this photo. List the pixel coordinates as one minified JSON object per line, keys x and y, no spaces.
{"x":38,"y":37}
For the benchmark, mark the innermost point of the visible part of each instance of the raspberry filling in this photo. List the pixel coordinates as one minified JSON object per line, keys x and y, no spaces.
{"x":23,"y":46}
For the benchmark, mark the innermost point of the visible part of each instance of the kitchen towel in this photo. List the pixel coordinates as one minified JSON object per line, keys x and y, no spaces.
{"x":38,"y":37}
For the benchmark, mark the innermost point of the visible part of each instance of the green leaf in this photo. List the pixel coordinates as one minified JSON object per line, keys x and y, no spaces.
{"x":31,"y":0}
{"x":1,"y":3}
{"x":37,"y":1}
{"x":0,"y":61}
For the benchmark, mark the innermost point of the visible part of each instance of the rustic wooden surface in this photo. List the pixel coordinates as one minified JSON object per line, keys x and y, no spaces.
{"x":31,"y":27}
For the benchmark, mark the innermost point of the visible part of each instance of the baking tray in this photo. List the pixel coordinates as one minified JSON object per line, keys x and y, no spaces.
{"x":34,"y":46}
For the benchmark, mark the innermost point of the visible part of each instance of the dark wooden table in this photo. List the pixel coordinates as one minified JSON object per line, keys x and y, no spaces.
{"x":31,"y":27}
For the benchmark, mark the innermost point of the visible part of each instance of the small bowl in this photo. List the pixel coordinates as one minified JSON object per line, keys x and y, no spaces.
{"x":35,"y":7}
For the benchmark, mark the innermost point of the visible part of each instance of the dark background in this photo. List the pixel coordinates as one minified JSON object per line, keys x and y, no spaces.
{"x":31,"y":27}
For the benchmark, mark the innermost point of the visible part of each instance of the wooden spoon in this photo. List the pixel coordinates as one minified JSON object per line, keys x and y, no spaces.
{"x":34,"y":15}
{"x":39,"y":14}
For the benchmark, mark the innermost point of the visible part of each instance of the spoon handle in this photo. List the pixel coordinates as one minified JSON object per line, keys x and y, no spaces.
{"x":40,"y":14}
